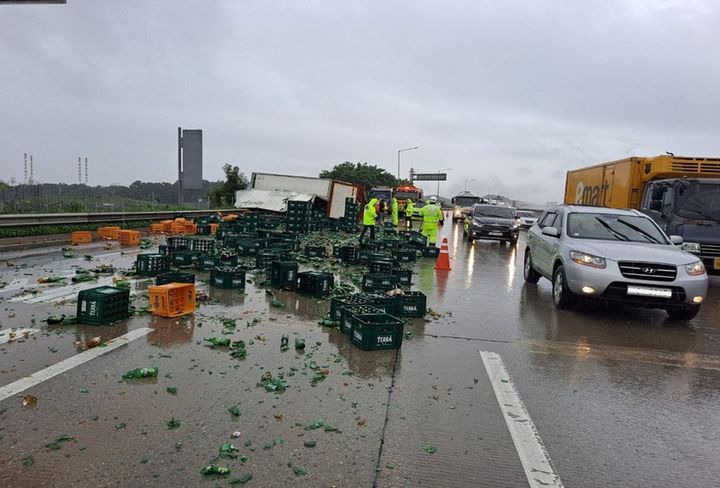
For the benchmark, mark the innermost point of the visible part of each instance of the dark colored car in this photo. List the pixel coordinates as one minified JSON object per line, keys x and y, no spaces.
{"x":492,"y":222}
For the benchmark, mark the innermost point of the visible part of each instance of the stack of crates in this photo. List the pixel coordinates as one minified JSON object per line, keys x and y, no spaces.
{"x":227,"y":278}
{"x":152,"y":264}
{"x":81,"y":237}
{"x":417,"y":239}
{"x":168,"y":250}
{"x":103,"y":305}
{"x":207,"y":262}
{"x":166,"y":225}
{"x":403,"y":277}
{"x":283,"y":274}
{"x":129,"y":237}
{"x":250,"y":221}
{"x":298,"y":216}
{"x":381,"y":266}
{"x":172,"y":299}
{"x":352,"y":210}
{"x":178,"y":241}
{"x":165,"y":278}
{"x":315,"y":283}
{"x":214,"y":228}
{"x":108,"y":233}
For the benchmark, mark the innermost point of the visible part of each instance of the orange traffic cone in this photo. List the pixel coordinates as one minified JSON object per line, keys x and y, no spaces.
{"x":443,"y":260}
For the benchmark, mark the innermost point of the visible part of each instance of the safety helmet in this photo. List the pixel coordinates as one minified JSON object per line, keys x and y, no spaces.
{"x":433,"y":199}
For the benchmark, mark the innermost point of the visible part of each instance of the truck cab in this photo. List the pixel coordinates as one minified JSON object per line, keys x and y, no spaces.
{"x":462,"y":204}
{"x":690,"y":208}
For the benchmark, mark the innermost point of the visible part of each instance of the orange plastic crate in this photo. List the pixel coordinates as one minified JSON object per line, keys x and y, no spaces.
{"x":157,"y":228}
{"x":214,"y":228}
{"x":81,"y":237}
{"x":190,"y":228}
{"x":177,"y":228}
{"x":129,"y":237}
{"x":108,"y":232}
{"x":172,"y":300}
{"x":166,"y":225}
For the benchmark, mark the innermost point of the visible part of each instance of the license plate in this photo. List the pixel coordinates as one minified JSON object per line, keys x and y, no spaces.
{"x":716,"y":263}
{"x":642,"y":291}
{"x":495,"y":233}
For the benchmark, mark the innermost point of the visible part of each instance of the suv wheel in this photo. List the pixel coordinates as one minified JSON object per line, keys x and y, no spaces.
{"x":683,"y":313}
{"x":563,"y":298}
{"x":529,"y":273}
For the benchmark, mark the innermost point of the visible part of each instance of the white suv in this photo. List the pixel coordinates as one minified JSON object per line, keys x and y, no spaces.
{"x":615,"y":256}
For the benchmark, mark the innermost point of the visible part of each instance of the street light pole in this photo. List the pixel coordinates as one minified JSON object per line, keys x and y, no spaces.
{"x":438,"y":181}
{"x":401,"y":150}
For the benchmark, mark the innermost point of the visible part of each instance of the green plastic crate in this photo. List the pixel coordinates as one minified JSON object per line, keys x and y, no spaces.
{"x":152,"y":264}
{"x":202,"y":245}
{"x":376,"y":331}
{"x":379,"y":282}
{"x":414,"y":304}
{"x":430,"y":252}
{"x":390,"y":305}
{"x":184,"y":258}
{"x":315,"y":283}
{"x":172,"y":277}
{"x":207,"y":262}
{"x":403,"y":277}
{"x":405,"y":255}
{"x":227,"y":278}
{"x":381,"y":266}
{"x":283,"y":274}
{"x":103,"y":305}
{"x":348,"y":311}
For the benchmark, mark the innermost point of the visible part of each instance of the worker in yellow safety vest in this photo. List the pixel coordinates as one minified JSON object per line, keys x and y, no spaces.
{"x":395,"y":212}
{"x":409,"y":209}
{"x":431,"y":216}
{"x":369,"y":217}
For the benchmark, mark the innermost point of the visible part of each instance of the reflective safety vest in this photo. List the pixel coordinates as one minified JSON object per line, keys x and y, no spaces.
{"x":431,"y":214}
{"x":410,"y":207}
{"x":370,"y":214}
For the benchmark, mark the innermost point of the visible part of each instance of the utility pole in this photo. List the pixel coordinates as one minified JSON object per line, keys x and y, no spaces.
{"x":79,"y":171}
{"x":25,"y":181}
{"x":31,"y":180}
{"x":86,"y":177}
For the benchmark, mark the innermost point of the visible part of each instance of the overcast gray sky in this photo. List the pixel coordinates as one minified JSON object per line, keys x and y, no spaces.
{"x":510,"y":93}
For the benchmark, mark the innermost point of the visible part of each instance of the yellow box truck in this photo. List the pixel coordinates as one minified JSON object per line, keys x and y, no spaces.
{"x":682,"y":194}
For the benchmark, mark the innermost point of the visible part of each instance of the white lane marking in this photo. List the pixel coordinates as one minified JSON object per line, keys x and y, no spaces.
{"x":65,"y":292}
{"x":69,"y":363}
{"x":535,"y":459}
{"x":19,"y":334}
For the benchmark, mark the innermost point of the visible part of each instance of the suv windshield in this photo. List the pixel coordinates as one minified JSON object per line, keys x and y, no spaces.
{"x":611,"y":227}
{"x":698,"y":201}
{"x":492,"y":211}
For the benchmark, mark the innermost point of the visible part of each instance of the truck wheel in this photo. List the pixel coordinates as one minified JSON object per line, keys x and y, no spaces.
{"x":529,"y":273}
{"x":683,"y":313}
{"x":563,"y":298}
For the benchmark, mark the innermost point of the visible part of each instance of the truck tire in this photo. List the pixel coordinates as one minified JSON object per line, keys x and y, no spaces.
{"x":687,"y":312}
{"x":563,"y":298}
{"x":531,"y":276}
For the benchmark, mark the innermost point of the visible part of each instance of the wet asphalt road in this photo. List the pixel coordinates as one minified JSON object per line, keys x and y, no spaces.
{"x":620,"y":397}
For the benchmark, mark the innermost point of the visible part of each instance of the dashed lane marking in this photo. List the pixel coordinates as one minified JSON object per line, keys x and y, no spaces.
{"x":69,"y":363}
{"x":533,"y":455}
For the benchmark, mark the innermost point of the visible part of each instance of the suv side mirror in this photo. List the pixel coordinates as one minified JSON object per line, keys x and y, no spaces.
{"x":656,"y":205}
{"x":677,"y":240}
{"x":551,"y":231}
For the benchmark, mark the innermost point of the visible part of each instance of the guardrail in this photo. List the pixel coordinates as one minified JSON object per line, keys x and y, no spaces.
{"x":23,"y":220}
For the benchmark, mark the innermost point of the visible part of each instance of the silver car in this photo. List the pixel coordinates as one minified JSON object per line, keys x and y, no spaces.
{"x":615,"y":256}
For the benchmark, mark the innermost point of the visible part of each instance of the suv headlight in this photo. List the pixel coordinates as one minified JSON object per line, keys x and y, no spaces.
{"x":587,"y":259}
{"x":695,"y":269}
{"x":691,"y":247}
